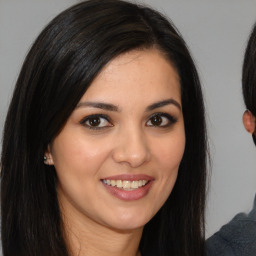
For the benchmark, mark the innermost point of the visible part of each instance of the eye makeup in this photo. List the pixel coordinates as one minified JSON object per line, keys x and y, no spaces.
{"x":161,"y":120}
{"x":96,"y":122}
{"x":102,"y":121}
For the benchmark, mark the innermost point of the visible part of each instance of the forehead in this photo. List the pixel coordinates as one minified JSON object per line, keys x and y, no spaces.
{"x":136,"y":74}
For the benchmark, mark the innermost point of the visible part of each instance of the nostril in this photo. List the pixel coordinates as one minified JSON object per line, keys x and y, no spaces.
{"x":132,"y":153}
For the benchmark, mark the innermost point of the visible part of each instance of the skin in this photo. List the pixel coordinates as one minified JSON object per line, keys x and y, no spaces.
{"x":249,"y":122}
{"x":127,"y":140}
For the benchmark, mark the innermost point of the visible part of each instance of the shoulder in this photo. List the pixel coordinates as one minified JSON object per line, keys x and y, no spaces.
{"x":238,"y":237}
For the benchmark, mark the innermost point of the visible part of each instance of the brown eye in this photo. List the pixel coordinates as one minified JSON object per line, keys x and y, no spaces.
{"x":96,"y":122}
{"x":161,"y":120}
{"x":156,"y":120}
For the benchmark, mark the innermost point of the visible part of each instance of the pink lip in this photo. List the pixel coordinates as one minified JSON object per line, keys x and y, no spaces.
{"x":132,"y":194}
{"x":129,"y":177}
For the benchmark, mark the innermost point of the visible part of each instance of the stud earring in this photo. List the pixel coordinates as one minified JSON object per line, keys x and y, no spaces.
{"x":45,"y":160}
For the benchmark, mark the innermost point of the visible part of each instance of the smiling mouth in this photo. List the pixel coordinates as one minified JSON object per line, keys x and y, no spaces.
{"x":126,"y":185}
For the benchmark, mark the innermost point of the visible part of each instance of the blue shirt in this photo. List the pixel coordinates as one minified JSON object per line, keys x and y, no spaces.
{"x":237,"y":238}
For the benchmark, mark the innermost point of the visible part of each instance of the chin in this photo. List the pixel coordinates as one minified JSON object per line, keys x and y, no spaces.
{"x":129,"y":221}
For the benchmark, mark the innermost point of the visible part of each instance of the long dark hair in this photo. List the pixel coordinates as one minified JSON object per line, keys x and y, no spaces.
{"x":62,"y":63}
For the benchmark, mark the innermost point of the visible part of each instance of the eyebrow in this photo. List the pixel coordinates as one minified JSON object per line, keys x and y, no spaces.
{"x":111,"y":107}
{"x":163,"y":103}
{"x":101,"y":105}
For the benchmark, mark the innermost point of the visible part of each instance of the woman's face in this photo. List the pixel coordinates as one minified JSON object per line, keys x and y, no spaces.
{"x":118,"y":155}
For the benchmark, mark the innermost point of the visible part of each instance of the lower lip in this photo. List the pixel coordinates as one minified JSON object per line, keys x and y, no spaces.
{"x":130,"y":195}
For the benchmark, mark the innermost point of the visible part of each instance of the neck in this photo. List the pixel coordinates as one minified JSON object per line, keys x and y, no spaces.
{"x":87,"y":237}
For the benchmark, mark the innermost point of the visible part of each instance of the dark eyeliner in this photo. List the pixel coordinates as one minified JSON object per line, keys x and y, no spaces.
{"x":172,"y":119}
{"x":85,"y":119}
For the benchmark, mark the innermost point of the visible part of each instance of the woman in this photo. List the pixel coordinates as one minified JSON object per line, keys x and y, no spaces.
{"x":104,"y":148}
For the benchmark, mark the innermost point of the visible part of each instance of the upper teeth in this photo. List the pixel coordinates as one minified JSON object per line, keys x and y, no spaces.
{"x":126,"y":184}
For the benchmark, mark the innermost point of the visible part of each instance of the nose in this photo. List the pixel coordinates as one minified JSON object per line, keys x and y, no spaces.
{"x":131,"y":147}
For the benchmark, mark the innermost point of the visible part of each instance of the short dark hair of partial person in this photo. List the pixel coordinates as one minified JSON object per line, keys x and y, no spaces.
{"x":62,"y":63}
{"x":249,"y":75}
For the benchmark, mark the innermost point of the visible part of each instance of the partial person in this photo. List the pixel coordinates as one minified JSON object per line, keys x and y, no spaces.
{"x":104,"y":147}
{"x":238,"y":237}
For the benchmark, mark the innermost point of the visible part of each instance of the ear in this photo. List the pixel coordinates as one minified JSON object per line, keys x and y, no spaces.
{"x":249,"y":121}
{"x":48,"y":159}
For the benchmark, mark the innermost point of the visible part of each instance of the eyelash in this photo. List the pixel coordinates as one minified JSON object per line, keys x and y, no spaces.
{"x":97,"y":116}
{"x":171,"y":120}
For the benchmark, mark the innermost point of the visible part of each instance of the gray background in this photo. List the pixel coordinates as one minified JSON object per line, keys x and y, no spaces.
{"x":216,"y":33}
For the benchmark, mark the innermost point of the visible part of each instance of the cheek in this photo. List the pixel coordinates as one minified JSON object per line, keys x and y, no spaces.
{"x":170,"y":152}
{"x":168,"y":155}
{"x":78,"y":162}
{"x":76,"y":156}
